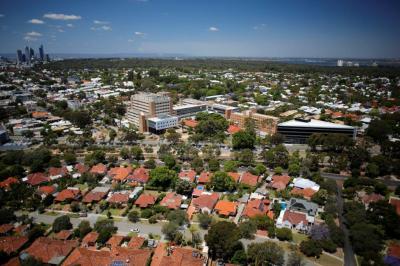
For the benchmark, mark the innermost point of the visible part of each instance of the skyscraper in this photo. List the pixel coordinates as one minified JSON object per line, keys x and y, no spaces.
{"x":19,"y":57}
{"x":27,"y":55}
{"x":32,"y":53}
{"x":41,"y":53}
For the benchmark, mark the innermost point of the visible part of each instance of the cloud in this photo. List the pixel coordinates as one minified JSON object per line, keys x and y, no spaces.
{"x":104,"y":27}
{"x":260,"y":26}
{"x":130,"y":40}
{"x":32,"y":36}
{"x":60,"y":30}
{"x":69,"y":25}
{"x":36,"y":21}
{"x":138,"y":33}
{"x":61,"y":16}
{"x":99,"y":22}
{"x":213,"y":29}
{"x":2,"y":16}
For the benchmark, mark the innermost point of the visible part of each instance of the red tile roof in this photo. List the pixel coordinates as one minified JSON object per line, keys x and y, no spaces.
{"x":5,"y":228}
{"x":120,"y":173}
{"x":204,"y":177}
{"x":394,"y":250}
{"x":81,"y":168}
{"x":178,"y":257}
{"x":63,"y":235}
{"x":189,"y":175}
{"x":140,"y":175}
{"x":206,"y":201}
{"x":373,"y":197}
{"x":47,"y":249}
{"x":145,"y":200}
{"x":119,"y":198}
{"x":90,"y":238}
{"x":235,"y":176}
{"x":136,"y":242}
{"x":172,"y":201}
{"x":37,"y":178}
{"x":94,"y":196}
{"x":280,"y":182}
{"x":114,"y":241}
{"x":256,"y":207}
{"x":68,"y":194}
{"x":295,"y":218}
{"x":249,"y":179}
{"x":11,"y":244}
{"x":396,"y":203}
{"x":307,"y":193}
{"x":38,"y":114}
{"x":99,"y":169}
{"x":226,"y":208}
{"x":8,"y":182}
{"x":131,"y":257}
{"x":58,"y":171}
{"x":47,"y":190}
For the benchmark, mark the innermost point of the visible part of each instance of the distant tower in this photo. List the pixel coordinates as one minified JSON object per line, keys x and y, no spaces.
{"x":19,"y":57}
{"x":27,"y":55}
{"x":47,"y":58}
{"x":41,"y":53}
{"x":32,"y":53}
{"x":340,"y":63}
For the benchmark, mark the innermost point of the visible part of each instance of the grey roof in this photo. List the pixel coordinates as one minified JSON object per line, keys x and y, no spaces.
{"x":314,"y":123}
{"x":302,"y":205}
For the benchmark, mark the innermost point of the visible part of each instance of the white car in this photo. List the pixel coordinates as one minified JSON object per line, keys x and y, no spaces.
{"x":135,"y":230}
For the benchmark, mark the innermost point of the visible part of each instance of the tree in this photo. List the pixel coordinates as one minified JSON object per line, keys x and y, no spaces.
{"x":221,"y":181}
{"x":276,"y":139}
{"x":183,"y":187}
{"x":170,"y":230}
{"x":162,"y":177}
{"x":83,"y":229}
{"x":137,"y":152}
{"x":361,"y":232}
{"x":372,"y":170}
{"x":284,"y":234}
{"x":320,"y":197}
{"x":379,"y":130}
{"x":294,"y":169}
{"x":210,"y":126}
{"x":6,"y":216}
{"x":150,"y":164}
{"x":247,"y":229}
{"x":178,"y":216}
{"x":267,"y":253}
{"x":62,"y":223}
{"x":213,"y":165}
{"x":125,"y":153}
{"x":243,"y":140}
{"x":230,"y":166}
{"x":112,"y":134}
{"x":172,"y":136}
{"x":69,"y":158}
{"x":133,"y":216}
{"x":319,"y":232}
{"x":295,"y":259}
{"x":222,"y":240}
{"x":384,"y":214}
{"x":311,"y":248}
{"x":277,"y":156}
{"x":245,"y":157}
{"x":204,"y":220}
{"x":169,"y":160}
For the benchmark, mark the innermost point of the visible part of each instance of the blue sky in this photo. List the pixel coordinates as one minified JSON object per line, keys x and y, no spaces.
{"x":297,"y":28}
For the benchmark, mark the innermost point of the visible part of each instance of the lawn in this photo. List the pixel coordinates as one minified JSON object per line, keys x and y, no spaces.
{"x":297,"y":237}
{"x":114,"y":212}
{"x":51,"y":213}
{"x":326,"y":260}
{"x":81,"y":186}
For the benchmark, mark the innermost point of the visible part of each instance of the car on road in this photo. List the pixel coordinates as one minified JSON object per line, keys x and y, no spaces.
{"x":135,"y":230}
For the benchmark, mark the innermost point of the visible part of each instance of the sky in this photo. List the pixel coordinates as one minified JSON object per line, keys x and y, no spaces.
{"x":238,"y":28}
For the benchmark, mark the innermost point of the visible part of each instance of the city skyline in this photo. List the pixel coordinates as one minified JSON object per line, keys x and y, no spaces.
{"x":330,"y":29}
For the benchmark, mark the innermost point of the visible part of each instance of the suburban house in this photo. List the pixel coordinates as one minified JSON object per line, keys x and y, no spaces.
{"x":256,"y":207}
{"x":172,"y":201}
{"x":303,"y":183}
{"x":119,"y":174}
{"x":81,"y":168}
{"x":279,"y":182}
{"x":50,"y":251}
{"x":304,"y":206}
{"x":205,"y":202}
{"x":139,"y":176}
{"x":114,"y":241}
{"x":306,"y":193}
{"x":136,"y":242}
{"x":68,"y":194}
{"x":293,"y":220}
{"x":235,"y":176}
{"x":96,"y":195}
{"x":396,"y":203}
{"x":120,"y":197}
{"x":90,"y":239}
{"x":177,"y":256}
{"x":145,"y":200}
{"x":98,"y":169}
{"x":57,"y":172}
{"x":6,"y":229}
{"x":188,"y":175}
{"x":6,"y":184}
{"x":36,"y":179}
{"x":249,"y":179}
{"x":45,"y":191}
{"x":367,"y":199}
{"x":204,"y":178}
{"x":63,"y":235}
{"x":226,"y":208}
{"x":12,"y":244}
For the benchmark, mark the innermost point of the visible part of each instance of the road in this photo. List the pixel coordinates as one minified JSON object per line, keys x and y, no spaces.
{"x":349,"y":258}
{"x":390,"y":183}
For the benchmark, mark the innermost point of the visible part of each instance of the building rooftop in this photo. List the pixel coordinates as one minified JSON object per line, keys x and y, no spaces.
{"x":314,"y":123}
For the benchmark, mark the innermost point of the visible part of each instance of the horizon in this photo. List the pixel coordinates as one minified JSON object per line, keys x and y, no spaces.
{"x":227,"y":29}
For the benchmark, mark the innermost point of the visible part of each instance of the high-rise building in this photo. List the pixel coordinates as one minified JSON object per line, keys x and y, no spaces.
{"x":150,"y":105}
{"x":27,"y":55}
{"x":41,"y":53}
{"x":19,"y":57}
{"x":32,"y":53}
{"x":340,"y":63}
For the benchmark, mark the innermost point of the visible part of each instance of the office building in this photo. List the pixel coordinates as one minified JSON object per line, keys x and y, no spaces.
{"x":299,"y":130}
{"x":188,"y":110}
{"x":263,"y":123}
{"x":31,"y":53}
{"x":148,"y":105}
{"x":27,"y":55}
{"x":41,"y":53}
{"x":222,"y":109}
{"x":340,"y":63}
{"x":159,"y":124}
{"x":19,"y":57}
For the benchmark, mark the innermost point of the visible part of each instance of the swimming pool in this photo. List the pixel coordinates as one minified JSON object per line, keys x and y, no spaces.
{"x":283,"y":205}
